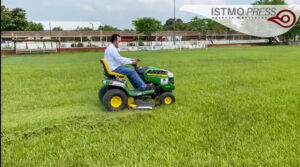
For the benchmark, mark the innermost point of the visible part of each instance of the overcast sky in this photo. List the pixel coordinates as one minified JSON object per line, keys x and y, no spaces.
{"x":118,"y":13}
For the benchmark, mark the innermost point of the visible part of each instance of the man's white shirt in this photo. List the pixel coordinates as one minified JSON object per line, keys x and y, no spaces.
{"x":113,"y":58}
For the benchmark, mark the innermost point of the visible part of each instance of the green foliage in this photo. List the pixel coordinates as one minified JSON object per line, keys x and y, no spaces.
{"x":128,"y":29}
{"x":15,"y":20}
{"x":57,"y":29}
{"x":205,"y":25}
{"x":131,"y":44}
{"x":235,"y":106}
{"x":270,"y":2}
{"x":107,"y":28}
{"x":18,"y":20}
{"x":79,"y":44}
{"x":5,"y":18}
{"x":147,"y":25}
{"x":196,"y":24}
{"x":179,"y":25}
{"x":83,"y":29}
{"x":31,"y":26}
{"x":293,"y":33}
{"x":140,"y":43}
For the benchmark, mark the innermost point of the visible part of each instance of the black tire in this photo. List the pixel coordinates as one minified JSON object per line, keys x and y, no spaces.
{"x":101,"y":93}
{"x":167,"y":98}
{"x":113,"y":93}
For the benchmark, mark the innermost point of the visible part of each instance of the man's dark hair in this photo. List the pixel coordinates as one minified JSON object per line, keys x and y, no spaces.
{"x":114,"y":37}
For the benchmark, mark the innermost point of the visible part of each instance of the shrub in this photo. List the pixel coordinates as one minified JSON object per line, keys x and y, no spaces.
{"x":80,"y":45}
{"x":131,"y":44}
{"x":141,"y":43}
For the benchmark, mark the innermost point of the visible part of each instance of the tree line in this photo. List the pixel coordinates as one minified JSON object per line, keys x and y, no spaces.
{"x":15,"y":20}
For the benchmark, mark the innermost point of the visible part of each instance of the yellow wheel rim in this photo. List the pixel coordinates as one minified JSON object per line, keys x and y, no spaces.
{"x":116,"y":101}
{"x":168,"y":100}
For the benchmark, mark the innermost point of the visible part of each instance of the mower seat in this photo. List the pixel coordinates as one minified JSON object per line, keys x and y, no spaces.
{"x":109,"y":73}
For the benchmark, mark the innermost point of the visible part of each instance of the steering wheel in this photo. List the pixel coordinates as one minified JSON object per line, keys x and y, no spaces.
{"x":135,"y":65}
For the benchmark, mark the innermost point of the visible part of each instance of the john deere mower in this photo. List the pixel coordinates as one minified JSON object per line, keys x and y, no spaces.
{"x":115,"y":94}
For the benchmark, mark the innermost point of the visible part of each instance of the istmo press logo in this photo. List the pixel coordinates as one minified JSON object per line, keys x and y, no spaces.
{"x":256,"y":20}
{"x":284,"y":18}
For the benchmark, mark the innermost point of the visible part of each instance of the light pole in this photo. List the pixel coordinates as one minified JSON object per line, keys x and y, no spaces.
{"x":174,"y":27}
{"x":50,"y":29}
{"x":50,"y":33}
{"x":92,"y":25}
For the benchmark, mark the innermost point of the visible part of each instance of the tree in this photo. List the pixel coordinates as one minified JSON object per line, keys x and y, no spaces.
{"x":205,"y":25}
{"x":128,"y":29}
{"x":269,"y":2}
{"x":18,"y":18}
{"x":147,"y":26}
{"x":5,"y":18}
{"x":179,"y":25}
{"x":197,"y":24}
{"x":292,"y":33}
{"x":15,"y":20}
{"x":84,"y":29}
{"x":57,"y":29}
{"x":107,"y":28}
{"x":31,"y":26}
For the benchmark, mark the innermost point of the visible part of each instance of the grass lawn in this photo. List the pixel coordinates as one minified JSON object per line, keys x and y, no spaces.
{"x":235,"y":106}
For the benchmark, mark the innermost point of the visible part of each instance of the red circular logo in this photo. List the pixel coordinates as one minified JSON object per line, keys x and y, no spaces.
{"x":285,"y":19}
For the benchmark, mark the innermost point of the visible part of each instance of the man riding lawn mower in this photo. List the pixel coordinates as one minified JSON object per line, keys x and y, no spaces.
{"x":149,"y":82}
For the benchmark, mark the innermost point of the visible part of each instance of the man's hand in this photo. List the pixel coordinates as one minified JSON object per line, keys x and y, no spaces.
{"x":134,"y":62}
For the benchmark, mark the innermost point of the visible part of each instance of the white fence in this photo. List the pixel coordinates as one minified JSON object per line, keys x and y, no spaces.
{"x":149,"y":48}
{"x":238,"y":41}
{"x":124,"y":46}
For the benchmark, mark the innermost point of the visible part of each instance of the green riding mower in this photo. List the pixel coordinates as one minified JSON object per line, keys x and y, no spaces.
{"x":115,"y":94}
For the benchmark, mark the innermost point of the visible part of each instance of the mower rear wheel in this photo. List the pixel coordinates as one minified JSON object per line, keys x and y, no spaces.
{"x":167,"y":98}
{"x":101,"y":93}
{"x":115,"y":100}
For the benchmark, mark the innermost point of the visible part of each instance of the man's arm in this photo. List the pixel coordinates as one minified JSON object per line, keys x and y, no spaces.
{"x":120,"y":59}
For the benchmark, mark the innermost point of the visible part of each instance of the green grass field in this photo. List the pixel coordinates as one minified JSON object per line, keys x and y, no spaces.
{"x":235,"y":106}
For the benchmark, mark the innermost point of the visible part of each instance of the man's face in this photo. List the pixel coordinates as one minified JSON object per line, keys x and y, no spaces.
{"x":117,"y":42}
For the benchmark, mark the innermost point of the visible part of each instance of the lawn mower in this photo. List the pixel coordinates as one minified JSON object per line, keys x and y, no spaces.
{"x":115,"y":94}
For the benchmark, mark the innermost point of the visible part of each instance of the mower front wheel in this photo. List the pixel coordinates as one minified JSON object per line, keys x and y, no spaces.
{"x":115,"y":100}
{"x":167,"y":98}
